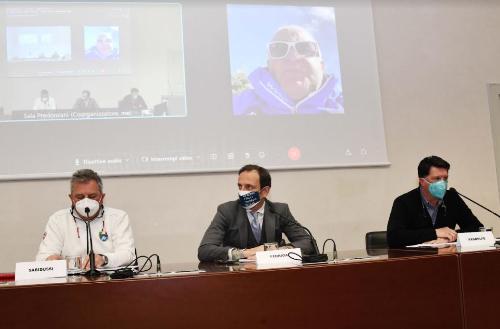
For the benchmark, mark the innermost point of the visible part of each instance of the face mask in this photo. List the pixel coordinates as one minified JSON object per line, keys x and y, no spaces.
{"x":248,"y":199}
{"x":438,"y":189}
{"x":87,"y":208}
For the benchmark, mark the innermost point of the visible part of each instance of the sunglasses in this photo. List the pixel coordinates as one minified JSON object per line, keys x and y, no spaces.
{"x":280,"y":49}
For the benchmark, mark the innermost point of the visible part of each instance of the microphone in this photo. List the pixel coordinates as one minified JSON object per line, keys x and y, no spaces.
{"x":480,"y":205}
{"x":158,"y":265}
{"x":92,"y":272}
{"x":444,"y":209}
{"x":317,"y":257}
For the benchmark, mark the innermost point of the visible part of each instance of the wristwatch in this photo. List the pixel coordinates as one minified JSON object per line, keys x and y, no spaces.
{"x":237,"y":254}
{"x":105,"y":259}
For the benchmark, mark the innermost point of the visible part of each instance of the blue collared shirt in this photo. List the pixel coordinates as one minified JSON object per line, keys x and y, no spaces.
{"x":432,"y":210}
{"x":260,"y":215}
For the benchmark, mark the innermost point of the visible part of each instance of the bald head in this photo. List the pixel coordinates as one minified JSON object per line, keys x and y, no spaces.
{"x":294,"y":60}
{"x":292,"y":33}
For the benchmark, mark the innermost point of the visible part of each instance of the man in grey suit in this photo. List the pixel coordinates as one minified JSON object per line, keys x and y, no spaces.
{"x":241,"y":227}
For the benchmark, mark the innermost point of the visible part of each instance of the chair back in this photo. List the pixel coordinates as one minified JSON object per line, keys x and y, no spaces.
{"x":375,"y":241}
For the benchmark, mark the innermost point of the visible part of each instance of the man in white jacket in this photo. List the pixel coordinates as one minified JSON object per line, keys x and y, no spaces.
{"x":66,"y":234}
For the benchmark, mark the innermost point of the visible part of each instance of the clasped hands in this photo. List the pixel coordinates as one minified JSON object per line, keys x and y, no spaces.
{"x":250,"y":253}
{"x":444,"y":235}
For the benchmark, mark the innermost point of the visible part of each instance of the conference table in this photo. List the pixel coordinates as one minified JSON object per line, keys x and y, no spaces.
{"x":480,"y":276}
{"x":417,"y":288}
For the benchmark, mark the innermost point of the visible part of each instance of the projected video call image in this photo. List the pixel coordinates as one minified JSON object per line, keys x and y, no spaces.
{"x":38,"y":43}
{"x":84,"y":61}
{"x":287,"y":64}
{"x":102,"y":42}
{"x":188,"y":87}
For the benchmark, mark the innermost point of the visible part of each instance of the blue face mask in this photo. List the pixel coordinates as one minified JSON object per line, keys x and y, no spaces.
{"x":438,"y":189}
{"x":248,"y":199}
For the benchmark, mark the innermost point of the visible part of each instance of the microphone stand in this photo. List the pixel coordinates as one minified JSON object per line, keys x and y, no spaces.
{"x":480,"y":205}
{"x":317,"y":257}
{"x":92,"y":272}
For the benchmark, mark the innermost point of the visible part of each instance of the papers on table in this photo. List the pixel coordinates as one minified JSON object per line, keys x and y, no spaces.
{"x":432,"y":245}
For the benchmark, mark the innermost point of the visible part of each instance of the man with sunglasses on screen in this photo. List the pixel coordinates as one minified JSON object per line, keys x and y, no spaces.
{"x":430,"y":212}
{"x":294,"y":81}
{"x":65,"y":234}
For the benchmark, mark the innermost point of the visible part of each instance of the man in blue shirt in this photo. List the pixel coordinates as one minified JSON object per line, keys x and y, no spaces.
{"x":429,"y":213}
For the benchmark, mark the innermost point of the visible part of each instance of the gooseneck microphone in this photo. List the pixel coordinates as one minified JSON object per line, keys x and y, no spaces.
{"x":158,"y":265}
{"x":92,"y":272}
{"x":317,"y":257}
{"x":477,"y":203}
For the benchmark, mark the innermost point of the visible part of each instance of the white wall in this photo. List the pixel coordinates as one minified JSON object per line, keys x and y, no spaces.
{"x":435,"y":60}
{"x":494,"y":102}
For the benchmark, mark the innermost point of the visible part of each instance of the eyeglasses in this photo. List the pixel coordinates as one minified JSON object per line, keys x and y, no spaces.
{"x":280,"y":49}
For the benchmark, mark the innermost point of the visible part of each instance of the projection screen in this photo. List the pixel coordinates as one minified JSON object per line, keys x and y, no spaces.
{"x":131,"y":88}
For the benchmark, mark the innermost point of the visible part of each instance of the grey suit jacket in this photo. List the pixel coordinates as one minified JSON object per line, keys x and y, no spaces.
{"x":229,"y":229}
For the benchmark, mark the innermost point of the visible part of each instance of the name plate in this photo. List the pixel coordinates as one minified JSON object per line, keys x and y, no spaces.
{"x":41,"y":270}
{"x":476,"y":239}
{"x":279,"y":257}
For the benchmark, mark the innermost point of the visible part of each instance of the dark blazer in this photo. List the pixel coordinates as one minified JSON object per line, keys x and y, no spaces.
{"x":410,"y":223}
{"x":229,"y":229}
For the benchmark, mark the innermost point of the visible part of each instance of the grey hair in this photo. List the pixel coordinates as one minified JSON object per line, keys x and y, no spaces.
{"x":84,"y":176}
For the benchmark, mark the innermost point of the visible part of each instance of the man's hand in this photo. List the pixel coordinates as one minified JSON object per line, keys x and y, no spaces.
{"x":54,"y":257}
{"x":250,"y":253}
{"x":446,"y":233}
{"x":99,"y":260}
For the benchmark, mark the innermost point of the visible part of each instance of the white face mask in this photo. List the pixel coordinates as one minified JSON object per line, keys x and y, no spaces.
{"x":87,"y":208}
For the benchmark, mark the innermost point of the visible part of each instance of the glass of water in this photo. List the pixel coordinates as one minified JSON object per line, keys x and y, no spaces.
{"x":74,"y":264}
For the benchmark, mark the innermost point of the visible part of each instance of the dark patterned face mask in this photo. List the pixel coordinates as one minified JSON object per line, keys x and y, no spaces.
{"x":248,"y":199}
